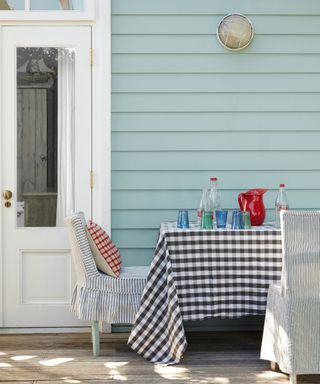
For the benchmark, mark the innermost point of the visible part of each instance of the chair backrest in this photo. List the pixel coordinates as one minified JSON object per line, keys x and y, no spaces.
{"x":301,"y":254}
{"x":82,"y":256}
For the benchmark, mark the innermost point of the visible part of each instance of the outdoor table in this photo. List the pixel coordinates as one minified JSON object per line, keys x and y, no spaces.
{"x":198,"y":274}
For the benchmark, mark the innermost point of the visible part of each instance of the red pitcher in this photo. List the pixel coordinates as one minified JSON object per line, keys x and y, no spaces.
{"x":252,"y":201}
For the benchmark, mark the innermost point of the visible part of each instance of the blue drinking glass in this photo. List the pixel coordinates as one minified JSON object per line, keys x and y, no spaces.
{"x":183,"y":219}
{"x":237,"y":220}
{"x":221,"y":218}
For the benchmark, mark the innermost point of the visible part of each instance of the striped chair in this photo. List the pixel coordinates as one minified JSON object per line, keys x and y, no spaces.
{"x":99,"y":297}
{"x":291,"y":335}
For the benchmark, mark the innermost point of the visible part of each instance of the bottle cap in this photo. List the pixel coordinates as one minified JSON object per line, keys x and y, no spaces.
{"x":213,"y":178}
{"x":282,"y":185}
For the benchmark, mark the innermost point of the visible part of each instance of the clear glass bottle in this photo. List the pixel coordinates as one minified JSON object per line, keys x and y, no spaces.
{"x":215,"y":197}
{"x":206,"y":218}
{"x":281,"y":204}
{"x":201,"y":207}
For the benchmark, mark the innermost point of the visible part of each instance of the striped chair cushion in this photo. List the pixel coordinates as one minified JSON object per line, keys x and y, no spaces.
{"x":105,"y":253}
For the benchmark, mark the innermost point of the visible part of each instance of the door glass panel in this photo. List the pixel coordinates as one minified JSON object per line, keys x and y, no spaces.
{"x":66,"y":5}
{"x":11,"y":5}
{"x":45,"y":135}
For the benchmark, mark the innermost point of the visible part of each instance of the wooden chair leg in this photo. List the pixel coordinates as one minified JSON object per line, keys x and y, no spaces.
{"x":293,"y":379}
{"x":95,"y":338}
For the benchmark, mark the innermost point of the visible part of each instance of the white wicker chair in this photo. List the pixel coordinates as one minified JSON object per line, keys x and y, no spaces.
{"x":99,"y":297}
{"x":291,"y":335}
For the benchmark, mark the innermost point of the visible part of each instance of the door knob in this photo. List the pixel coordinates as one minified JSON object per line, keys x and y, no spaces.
{"x":7,"y":195}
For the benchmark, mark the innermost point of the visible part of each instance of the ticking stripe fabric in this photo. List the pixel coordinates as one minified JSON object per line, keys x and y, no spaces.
{"x":98,"y":296}
{"x":292,"y":325}
{"x":198,"y":274}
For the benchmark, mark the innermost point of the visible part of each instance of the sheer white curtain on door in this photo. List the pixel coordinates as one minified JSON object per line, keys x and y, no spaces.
{"x":66,"y":134}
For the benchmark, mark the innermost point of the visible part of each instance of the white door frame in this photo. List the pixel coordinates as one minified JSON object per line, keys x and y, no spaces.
{"x":101,"y":116}
{"x":101,"y":112}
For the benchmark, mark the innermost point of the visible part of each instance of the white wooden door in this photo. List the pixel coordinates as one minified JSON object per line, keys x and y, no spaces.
{"x":45,"y":163}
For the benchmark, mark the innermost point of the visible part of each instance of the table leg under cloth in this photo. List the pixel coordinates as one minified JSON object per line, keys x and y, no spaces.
{"x":198,"y":274}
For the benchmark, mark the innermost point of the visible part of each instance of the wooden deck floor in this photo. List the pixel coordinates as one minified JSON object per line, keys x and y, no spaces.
{"x":219,"y":358}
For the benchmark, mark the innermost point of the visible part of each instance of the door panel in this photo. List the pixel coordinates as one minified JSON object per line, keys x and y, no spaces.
{"x":46,"y":157}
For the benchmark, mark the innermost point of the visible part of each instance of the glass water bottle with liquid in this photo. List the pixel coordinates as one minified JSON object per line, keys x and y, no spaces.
{"x":281,"y":204}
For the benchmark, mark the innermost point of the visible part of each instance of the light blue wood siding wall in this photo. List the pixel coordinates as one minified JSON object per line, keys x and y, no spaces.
{"x":185,"y":109}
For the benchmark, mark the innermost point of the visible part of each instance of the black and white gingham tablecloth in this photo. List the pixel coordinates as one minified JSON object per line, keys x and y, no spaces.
{"x":198,"y":274}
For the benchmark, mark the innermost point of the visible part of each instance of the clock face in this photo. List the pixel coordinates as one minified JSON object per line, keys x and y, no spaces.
{"x":235,"y":32}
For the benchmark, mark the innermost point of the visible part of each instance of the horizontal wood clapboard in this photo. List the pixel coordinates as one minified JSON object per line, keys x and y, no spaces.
{"x":207,"y":7}
{"x":219,"y":63}
{"x":204,"y":44}
{"x":215,"y":141}
{"x":215,"y":121}
{"x":216,"y":83}
{"x":193,"y":24}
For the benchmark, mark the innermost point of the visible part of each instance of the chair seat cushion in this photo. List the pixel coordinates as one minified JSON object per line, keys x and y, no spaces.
{"x":108,"y":299}
{"x":134,"y":272}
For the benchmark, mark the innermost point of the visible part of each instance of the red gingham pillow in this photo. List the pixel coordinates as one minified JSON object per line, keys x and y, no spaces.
{"x":105,"y":253}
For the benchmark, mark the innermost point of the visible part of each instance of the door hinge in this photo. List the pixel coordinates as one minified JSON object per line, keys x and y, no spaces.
{"x":91,"y":56}
{"x":91,"y":179}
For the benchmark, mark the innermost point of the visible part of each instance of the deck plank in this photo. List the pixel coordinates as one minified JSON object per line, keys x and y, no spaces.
{"x":216,"y":357}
